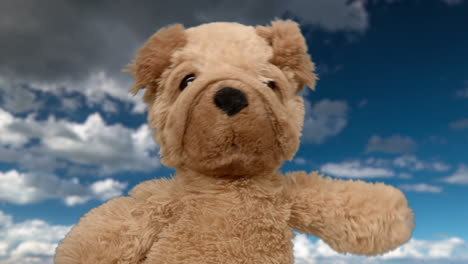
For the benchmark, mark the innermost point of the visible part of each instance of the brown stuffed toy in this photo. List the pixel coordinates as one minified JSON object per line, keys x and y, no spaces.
{"x":223,"y":100}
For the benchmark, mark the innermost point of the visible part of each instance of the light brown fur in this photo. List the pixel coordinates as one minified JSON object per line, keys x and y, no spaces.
{"x":227,"y":202}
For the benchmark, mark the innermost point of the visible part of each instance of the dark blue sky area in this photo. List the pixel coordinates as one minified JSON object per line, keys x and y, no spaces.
{"x":408,"y":66}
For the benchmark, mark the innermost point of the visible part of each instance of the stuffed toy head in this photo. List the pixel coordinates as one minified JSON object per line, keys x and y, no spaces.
{"x":223,"y":97}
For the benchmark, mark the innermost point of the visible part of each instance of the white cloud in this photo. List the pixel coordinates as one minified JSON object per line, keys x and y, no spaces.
{"x":100,"y":190}
{"x":31,"y":159}
{"x":98,"y":90}
{"x":15,"y":187}
{"x":459,"y":177}
{"x":332,"y":15}
{"x":306,"y":251}
{"x":450,"y":250}
{"x":327,"y":118}
{"x":8,"y":138}
{"x":392,"y":144}
{"x":99,"y":86}
{"x":34,"y":248}
{"x":27,"y":188}
{"x":72,"y":200}
{"x":412,"y":163}
{"x":107,"y":189}
{"x":373,"y":167}
{"x":439,"y":166}
{"x":17,"y":98}
{"x":378,"y":162}
{"x":110,"y":148}
{"x":404,"y":175}
{"x":459,"y":124}
{"x":31,"y":241}
{"x":428,"y":249}
{"x":300,"y":161}
{"x":355,"y":169}
{"x":421,"y":187}
{"x":113,"y":147}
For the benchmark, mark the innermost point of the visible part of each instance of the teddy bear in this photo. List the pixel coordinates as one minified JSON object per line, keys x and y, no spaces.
{"x":223,"y":102}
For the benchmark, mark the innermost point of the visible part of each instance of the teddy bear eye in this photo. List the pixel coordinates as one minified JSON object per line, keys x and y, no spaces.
{"x":187,"y":81}
{"x":270,"y":84}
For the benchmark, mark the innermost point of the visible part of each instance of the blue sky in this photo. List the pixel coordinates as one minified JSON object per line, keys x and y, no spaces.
{"x":391,"y":106}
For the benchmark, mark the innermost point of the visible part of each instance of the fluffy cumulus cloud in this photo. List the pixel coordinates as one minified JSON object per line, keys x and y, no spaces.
{"x":98,"y":89}
{"x":413,"y":163}
{"x":109,"y":148}
{"x":421,"y":187}
{"x":300,"y":161}
{"x":401,"y":167}
{"x":18,"y":98}
{"x":450,"y":250}
{"x":27,"y":188}
{"x":392,"y":144}
{"x":30,"y":241}
{"x":324,"y":119}
{"x":356,"y":169}
{"x":460,"y":176}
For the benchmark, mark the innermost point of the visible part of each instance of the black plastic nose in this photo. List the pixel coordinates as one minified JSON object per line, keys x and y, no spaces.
{"x":230,"y":100}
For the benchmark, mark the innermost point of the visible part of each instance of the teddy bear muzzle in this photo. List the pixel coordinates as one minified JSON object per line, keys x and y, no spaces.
{"x":230,"y":128}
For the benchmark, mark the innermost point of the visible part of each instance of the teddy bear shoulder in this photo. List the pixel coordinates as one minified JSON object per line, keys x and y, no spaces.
{"x":156,"y":190}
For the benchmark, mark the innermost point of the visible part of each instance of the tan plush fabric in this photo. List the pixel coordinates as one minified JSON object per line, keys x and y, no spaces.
{"x":227,"y":202}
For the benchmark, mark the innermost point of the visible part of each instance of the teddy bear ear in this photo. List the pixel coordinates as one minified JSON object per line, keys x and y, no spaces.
{"x":290,"y":51}
{"x":153,"y":58}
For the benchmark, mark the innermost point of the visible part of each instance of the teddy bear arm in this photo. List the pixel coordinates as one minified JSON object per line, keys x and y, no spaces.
{"x":350,"y":216}
{"x":119,"y":231}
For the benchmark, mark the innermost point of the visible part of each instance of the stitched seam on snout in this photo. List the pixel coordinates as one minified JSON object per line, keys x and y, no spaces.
{"x":188,"y":117}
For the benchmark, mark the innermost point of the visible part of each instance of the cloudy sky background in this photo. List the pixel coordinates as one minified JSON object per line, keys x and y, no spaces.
{"x":391,"y":106}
